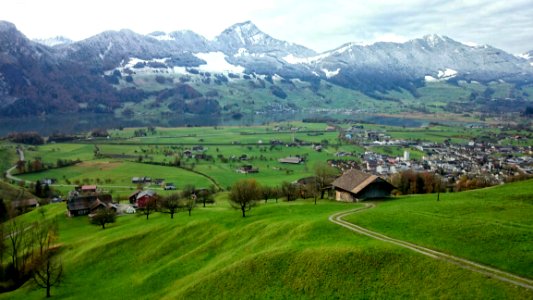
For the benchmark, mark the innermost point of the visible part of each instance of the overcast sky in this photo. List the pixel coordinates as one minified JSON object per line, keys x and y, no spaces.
{"x":320,"y":25}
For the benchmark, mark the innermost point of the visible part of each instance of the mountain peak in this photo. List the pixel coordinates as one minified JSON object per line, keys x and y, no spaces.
{"x":435,"y":39}
{"x":244,"y":33}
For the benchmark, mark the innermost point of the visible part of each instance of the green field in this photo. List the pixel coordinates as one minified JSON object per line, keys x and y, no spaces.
{"x":493,"y":226}
{"x":124,"y":155}
{"x":286,"y":250}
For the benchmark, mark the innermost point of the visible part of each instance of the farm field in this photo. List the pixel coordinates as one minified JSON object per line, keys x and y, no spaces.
{"x":132,"y":152}
{"x":280,"y":250}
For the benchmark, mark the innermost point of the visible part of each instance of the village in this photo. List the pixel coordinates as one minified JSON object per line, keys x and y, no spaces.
{"x":494,"y":162}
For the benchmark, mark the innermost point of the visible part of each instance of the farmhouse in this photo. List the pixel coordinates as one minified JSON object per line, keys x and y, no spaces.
{"x":141,"y":180}
{"x":82,"y":202}
{"x":24,"y":205}
{"x":354,"y":186}
{"x":247,"y":169}
{"x":140,"y":198}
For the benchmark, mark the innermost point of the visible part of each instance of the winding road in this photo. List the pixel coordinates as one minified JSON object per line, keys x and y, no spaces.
{"x":337,"y":218}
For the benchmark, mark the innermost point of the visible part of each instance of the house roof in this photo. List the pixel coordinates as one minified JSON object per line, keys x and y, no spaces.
{"x":88,"y":187}
{"x":354,"y":181}
{"x":86,"y":202}
{"x":96,"y":204}
{"x":24,"y":203}
{"x":290,"y":160}
{"x":149,"y":193}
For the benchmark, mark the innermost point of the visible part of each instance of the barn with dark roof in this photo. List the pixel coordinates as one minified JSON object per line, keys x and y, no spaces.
{"x":354,"y":186}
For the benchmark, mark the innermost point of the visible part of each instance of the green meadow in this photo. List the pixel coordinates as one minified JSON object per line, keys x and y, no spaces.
{"x":493,"y":226}
{"x":287,"y":250}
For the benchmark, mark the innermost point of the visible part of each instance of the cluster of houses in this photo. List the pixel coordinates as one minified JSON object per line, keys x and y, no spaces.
{"x":87,"y":199}
{"x":492,"y":160}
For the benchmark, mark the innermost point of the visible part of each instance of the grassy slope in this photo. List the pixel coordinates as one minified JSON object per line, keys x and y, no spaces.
{"x":7,"y":156}
{"x":117,"y":175}
{"x":493,"y":226}
{"x":284,"y":250}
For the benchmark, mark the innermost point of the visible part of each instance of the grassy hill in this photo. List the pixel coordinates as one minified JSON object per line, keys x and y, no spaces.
{"x":493,"y":226}
{"x":284,"y":250}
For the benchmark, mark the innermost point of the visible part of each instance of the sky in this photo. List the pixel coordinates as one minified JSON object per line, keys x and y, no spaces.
{"x":320,"y":25}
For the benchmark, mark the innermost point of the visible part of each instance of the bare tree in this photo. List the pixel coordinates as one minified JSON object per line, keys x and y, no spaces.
{"x":103,"y":216}
{"x":289,"y":190}
{"x":149,"y":207}
{"x":204,"y":195}
{"x":189,"y":203}
{"x":312,"y":189}
{"x":48,"y":270}
{"x":171,"y":204}
{"x":243,"y":194}
{"x":324,"y":174}
{"x":15,"y":237}
{"x":267,"y":193}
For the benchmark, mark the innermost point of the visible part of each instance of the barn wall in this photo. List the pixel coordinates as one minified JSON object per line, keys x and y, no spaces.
{"x":343,"y":196}
{"x":375,"y":190}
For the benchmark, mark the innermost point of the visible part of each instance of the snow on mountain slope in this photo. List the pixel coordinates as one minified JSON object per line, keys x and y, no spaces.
{"x":54,"y":41}
{"x":216,"y":62}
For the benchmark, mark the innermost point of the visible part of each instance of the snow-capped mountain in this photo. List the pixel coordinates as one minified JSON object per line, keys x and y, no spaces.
{"x":247,"y":37}
{"x":184,"y":40}
{"x":54,"y":41}
{"x":110,"y":49}
{"x":75,"y":71}
{"x":34,"y":79}
{"x":432,"y":57}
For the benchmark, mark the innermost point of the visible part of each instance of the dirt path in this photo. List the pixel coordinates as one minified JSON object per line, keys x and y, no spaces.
{"x":337,"y":218}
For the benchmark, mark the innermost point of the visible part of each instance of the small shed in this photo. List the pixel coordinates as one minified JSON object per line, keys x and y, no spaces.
{"x":291,"y":160}
{"x":355,"y":186}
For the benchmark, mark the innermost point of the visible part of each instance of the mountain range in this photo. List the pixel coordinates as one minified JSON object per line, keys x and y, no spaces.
{"x":101,"y":73}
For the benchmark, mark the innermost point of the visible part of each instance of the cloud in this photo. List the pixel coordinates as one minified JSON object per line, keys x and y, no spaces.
{"x":321,"y":25}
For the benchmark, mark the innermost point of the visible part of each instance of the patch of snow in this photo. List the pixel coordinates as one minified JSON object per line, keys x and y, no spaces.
{"x":276,"y":77}
{"x":216,"y":62}
{"x":446,"y":74}
{"x":109,"y":46}
{"x":433,"y":39}
{"x":524,"y":56}
{"x":241,"y":52}
{"x":163,"y":37}
{"x":293,"y":60}
{"x":316,"y":74}
{"x":179,"y":70}
{"x":428,"y":78}
{"x":531,"y":63}
{"x":330,"y":74}
{"x":441,"y":75}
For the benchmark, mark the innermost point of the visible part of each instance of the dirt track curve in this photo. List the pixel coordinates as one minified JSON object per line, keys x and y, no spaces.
{"x":337,"y":218}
